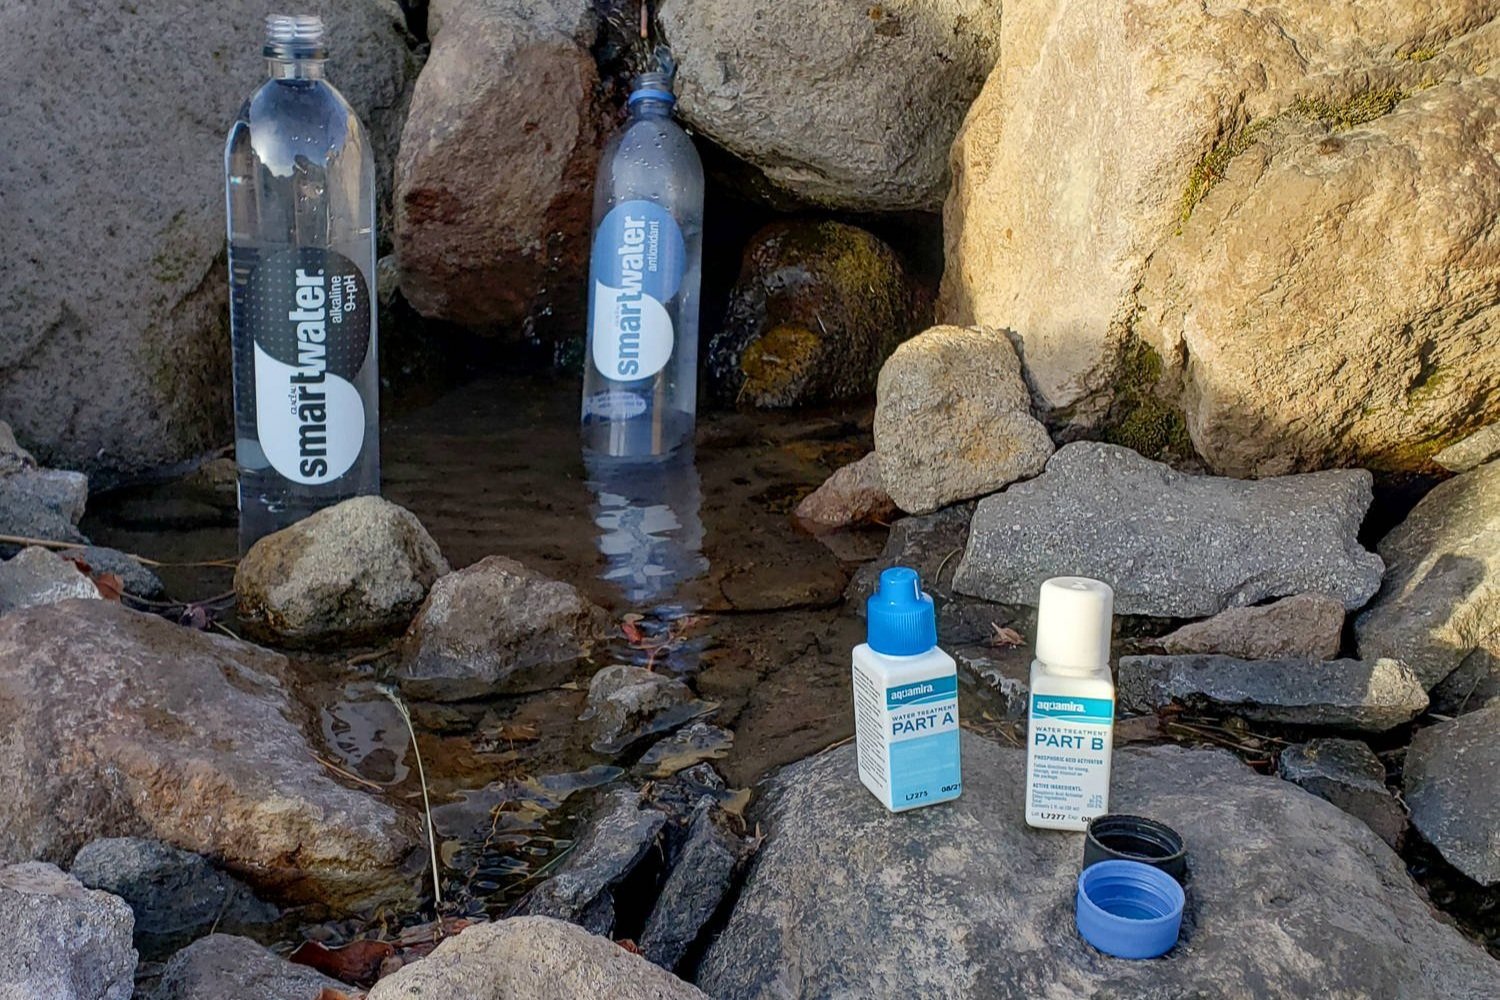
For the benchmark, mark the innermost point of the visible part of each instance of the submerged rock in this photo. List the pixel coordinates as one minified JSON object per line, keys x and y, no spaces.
{"x":623,"y":831}
{"x":1347,"y":694}
{"x":226,"y":967}
{"x":1452,"y":792}
{"x":535,"y":958}
{"x":115,"y":357}
{"x":683,"y":749}
{"x":1439,"y":608}
{"x":965,"y":900}
{"x":839,"y":102}
{"x":817,"y":309}
{"x":170,"y":891}
{"x":36,"y":576}
{"x":701,"y":877}
{"x":497,"y":627}
{"x":136,"y":578}
{"x":1171,"y":545}
{"x":495,"y":172}
{"x":352,"y":572}
{"x":122,"y":724}
{"x":63,"y":942}
{"x":1348,"y":774}
{"x":627,"y":704}
{"x":953,"y":419}
{"x":1304,"y":626}
{"x":853,"y":495}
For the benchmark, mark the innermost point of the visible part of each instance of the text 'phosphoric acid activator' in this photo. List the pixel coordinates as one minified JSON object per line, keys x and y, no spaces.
{"x":1070,"y":729}
{"x":905,"y":699}
{"x":301,"y":201}
{"x":640,"y":384}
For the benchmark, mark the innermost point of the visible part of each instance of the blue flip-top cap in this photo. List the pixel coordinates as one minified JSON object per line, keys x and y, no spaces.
{"x":901,"y":620}
{"x":1129,"y":909}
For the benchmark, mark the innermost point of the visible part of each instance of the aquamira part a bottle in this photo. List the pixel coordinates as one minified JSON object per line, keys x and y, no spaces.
{"x":905,"y":699}
{"x":1070,"y":730}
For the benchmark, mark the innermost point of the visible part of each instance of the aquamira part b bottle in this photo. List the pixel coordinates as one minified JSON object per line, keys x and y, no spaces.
{"x":640,"y":383}
{"x":905,"y":699}
{"x":301,"y":204}
{"x":1070,"y":730}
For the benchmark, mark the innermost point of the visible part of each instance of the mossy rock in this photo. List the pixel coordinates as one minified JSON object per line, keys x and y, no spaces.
{"x":817,"y":309}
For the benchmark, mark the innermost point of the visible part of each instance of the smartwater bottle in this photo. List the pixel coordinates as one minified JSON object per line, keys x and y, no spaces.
{"x":301,"y":199}
{"x":640,"y":384}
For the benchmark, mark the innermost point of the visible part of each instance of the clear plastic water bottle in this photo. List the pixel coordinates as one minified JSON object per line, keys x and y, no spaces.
{"x":640,"y":384}
{"x":301,"y":201}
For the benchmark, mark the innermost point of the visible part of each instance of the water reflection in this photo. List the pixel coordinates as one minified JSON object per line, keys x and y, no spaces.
{"x":650,"y":528}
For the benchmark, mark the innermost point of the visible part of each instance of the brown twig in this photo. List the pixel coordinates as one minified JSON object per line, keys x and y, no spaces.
{"x":52,"y":543}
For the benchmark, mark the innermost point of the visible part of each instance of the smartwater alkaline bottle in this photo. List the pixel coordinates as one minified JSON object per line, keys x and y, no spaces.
{"x":640,"y":384}
{"x":301,"y":197}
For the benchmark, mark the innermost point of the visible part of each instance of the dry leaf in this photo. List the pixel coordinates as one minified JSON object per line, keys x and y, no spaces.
{"x":355,"y":962}
{"x":1006,"y":638}
{"x":110,"y":586}
{"x":329,"y":993}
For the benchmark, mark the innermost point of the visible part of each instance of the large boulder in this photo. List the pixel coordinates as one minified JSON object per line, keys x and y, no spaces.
{"x":966,"y":900}
{"x":1231,"y":167}
{"x":497,"y":627}
{"x":355,"y":571}
{"x":838,"y":102}
{"x":1452,"y":793}
{"x":1171,"y":545}
{"x":534,"y":957}
{"x":953,"y":419}
{"x":118,"y":723}
{"x":127,"y":250}
{"x":816,"y":310}
{"x":1347,"y":694}
{"x":1439,"y":608}
{"x":65,"y":942}
{"x":495,"y":177}
{"x":226,"y":967}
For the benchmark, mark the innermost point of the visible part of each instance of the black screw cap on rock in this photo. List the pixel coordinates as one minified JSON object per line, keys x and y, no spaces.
{"x":1121,"y":837}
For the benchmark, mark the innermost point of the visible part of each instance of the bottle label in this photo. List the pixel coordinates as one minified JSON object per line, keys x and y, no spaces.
{"x":922,"y":730}
{"x":308,"y":311}
{"x":638,"y":262}
{"x":1068,"y":760}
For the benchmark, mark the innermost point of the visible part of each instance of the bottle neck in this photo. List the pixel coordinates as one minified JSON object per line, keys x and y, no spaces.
{"x":1058,"y":670}
{"x":285,"y":68}
{"x":650,"y":108}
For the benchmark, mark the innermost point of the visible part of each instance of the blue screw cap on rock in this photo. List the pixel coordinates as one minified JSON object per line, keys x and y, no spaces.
{"x":1129,"y":909}
{"x":901,"y":618}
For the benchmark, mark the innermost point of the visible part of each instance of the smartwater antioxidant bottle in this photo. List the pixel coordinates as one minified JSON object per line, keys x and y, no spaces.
{"x":1070,"y":732}
{"x":905,"y":699}
{"x":301,"y":199}
{"x":640,"y":383}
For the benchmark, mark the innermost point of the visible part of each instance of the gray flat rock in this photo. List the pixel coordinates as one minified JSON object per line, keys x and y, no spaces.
{"x":1348,"y":774}
{"x":1453,"y":793}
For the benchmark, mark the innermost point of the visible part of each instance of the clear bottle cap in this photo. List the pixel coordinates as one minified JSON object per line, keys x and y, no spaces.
{"x":1074,"y":617}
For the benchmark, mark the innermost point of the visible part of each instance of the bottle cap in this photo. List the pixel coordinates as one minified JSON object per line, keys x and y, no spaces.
{"x":652,"y":87}
{"x":1073,"y":621}
{"x":1122,"y":837}
{"x":295,"y":36}
{"x":900,"y":617}
{"x":1128,"y":909}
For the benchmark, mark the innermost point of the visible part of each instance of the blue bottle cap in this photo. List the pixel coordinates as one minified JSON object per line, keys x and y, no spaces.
{"x":901,"y":620}
{"x":1129,"y":909}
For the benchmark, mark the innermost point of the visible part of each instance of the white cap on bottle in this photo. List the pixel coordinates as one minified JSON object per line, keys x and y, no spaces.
{"x":1073,"y":621}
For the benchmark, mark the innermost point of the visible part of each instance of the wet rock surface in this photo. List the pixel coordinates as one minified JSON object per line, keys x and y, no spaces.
{"x":533,"y":957}
{"x":1452,"y":792}
{"x":170,"y":891}
{"x":1171,"y":544}
{"x":947,"y":876}
{"x":931,"y":544}
{"x":497,"y":627}
{"x":227,"y":967}
{"x":124,"y":724}
{"x":701,"y":876}
{"x":66,"y":942}
{"x":349,"y":573}
{"x":817,"y":309}
{"x":1305,"y":626}
{"x":495,"y":175}
{"x":1346,"y":694}
{"x":627,"y":704}
{"x":953,"y":419}
{"x":1439,"y":608}
{"x":792,"y":93}
{"x":139,"y":265}
{"x":137,"y":579}
{"x":36,"y":576}
{"x":1348,"y":774}
{"x":853,"y":495}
